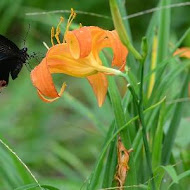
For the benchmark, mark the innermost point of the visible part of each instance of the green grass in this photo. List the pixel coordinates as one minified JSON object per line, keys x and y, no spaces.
{"x":71,"y":143}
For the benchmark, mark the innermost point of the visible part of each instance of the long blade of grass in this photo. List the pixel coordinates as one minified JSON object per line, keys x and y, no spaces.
{"x":174,"y":124}
{"x":164,"y":31}
{"x":32,"y":186}
{"x":111,"y":163}
{"x":18,"y":158}
{"x":180,"y":177}
{"x":120,"y":121}
{"x":84,"y":111}
{"x":119,"y":26}
{"x":98,"y":167}
{"x":157,"y":144}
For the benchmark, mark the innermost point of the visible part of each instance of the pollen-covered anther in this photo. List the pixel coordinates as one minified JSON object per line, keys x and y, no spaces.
{"x":80,"y":25}
{"x":52,"y":35}
{"x":70,"y":20}
{"x":58,"y":30}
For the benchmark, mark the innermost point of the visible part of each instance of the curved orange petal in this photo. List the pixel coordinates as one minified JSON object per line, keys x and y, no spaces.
{"x":120,"y":52}
{"x":99,"y":85}
{"x":60,"y":64}
{"x":42,"y":80}
{"x":104,"y":38}
{"x":79,"y":42}
{"x":59,"y":60}
{"x":183,"y":52}
{"x":42,"y":97}
{"x":99,"y":41}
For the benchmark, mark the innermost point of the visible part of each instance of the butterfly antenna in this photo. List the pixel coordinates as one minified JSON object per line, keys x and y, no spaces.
{"x":26,"y":35}
{"x":28,"y":66}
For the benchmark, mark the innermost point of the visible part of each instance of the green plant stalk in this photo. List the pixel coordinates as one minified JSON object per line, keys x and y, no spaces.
{"x":164,"y":32}
{"x":186,"y":33}
{"x":139,"y":105}
{"x":119,"y":26}
{"x":141,"y":117}
{"x":120,"y":121}
{"x":106,"y":145}
{"x":157,"y":144}
{"x":125,"y":136}
{"x":172,"y":131}
{"x":147,"y":150}
{"x":111,"y":163}
{"x":21,"y":162}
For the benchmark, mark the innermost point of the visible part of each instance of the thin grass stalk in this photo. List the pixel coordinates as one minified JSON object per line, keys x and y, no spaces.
{"x":157,"y":143}
{"x":119,"y":26}
{"x":120,"y":121}
{"x":21,"y":162}
{"x":139,"y":105}
{"x":164,"y":32}
{"x":111,"y":164}
{"x":174,"y":124}
{"x":108,"y":141}
{"x":141,"y":117}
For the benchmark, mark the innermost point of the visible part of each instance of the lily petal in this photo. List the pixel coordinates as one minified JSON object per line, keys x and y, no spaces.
{"x":99,"y":84}
{"x":42,"y":80}
{"x":59,"y":60}
{"x":120,"y":52}
{"x":104,"y":38}
{"x":42,"y":97}
{"x":79,"y":42}
{"x":183,"y":52}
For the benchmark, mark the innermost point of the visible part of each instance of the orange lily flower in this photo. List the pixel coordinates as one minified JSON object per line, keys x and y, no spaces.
{"x":183,"y":52}
{"x":78,"y":56}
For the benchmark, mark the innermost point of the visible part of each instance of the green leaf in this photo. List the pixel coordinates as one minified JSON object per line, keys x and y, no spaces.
{"x":32,"y":186}
{"x":171,"y":172}
{"x":119,"y":26}
{"x":157,"y":144}
{"x":174,"y":124}
{"x":164,"y":31}
{"x":179,"y":177}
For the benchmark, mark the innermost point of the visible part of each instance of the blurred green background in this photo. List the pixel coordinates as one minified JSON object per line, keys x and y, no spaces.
{"x":60,"y":142}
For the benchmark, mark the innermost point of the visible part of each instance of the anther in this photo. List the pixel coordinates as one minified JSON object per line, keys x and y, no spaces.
{"x":52,"y":35}
{"x":71,"y":18}
{"x":58,"y":30}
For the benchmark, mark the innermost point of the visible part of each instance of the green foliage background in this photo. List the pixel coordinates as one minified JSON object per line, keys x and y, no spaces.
{"x":60,"y":142}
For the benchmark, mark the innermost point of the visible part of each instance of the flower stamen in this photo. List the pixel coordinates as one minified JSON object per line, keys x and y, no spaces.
{"x":80,"y":25}
{"x":58,"y":30}
{"x":71,"y":18}
{"x":52,"y":35}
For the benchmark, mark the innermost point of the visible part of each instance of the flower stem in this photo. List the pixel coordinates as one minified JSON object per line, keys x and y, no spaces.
{"x":119,"y":26}
{"x":141,"y":117}
{"x":139,"y":106}
{"x":108,"y":70}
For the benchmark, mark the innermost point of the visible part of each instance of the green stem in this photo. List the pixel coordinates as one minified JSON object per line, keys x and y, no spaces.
{"x":141,"y":117}
{"x":103,"y":153}
{"x":139,"y":105}
{"x":174,"y":124}
{"x":119,"y":26}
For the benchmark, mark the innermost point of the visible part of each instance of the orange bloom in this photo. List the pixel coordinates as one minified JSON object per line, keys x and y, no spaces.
{"x":78,"y":56}
{"x":183,"y":52}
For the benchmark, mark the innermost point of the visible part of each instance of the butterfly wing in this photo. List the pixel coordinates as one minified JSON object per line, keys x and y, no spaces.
{"x":9,"y":54}
{"x":15,"y":70}
{"x":5,"y":70}
{"x":8,"y":48}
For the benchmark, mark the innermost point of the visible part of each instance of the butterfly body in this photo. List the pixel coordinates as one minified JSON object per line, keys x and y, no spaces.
{"x":11,"y":59}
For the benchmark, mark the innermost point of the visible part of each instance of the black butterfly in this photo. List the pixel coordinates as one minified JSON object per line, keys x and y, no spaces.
{"x":11,"y":60}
